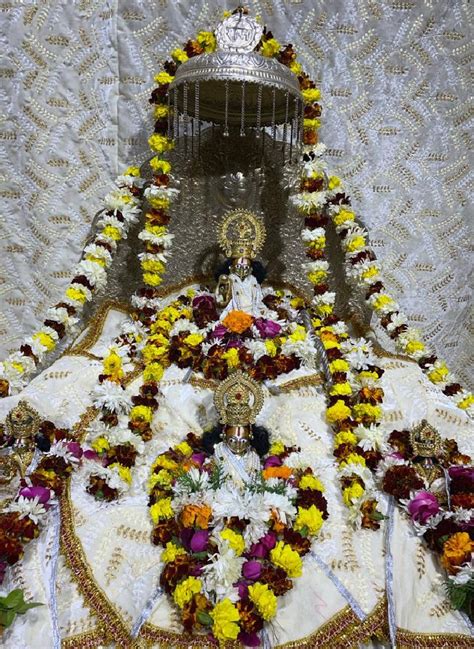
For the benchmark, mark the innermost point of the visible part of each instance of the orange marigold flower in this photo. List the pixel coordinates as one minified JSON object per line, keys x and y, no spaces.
{"x":237,"y":321}
{"x":277,"y":472}
{"x":456,"y":551}
{"x":196,"y":516}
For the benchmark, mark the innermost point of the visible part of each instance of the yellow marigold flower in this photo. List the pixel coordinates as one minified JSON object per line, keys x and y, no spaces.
{"x":159,"y":340}
{"x":310,"y":95}
{"x":338,"y":365}
{"x":366,"y":374}
{"x":231,"y":356}
{"x":316,"y":322}
{"x":271,"y":347}
{"x":341,"y":389}
{"x":161,"y":325}
{"x":276,"y":448}
{"x":161,"y":510}
{"x":152,"y":279}
{"x":270,"y":48}
{"x":163,"y":478}
{"x":96,"y":260}
{"x":311,"y":123}
{"x":112,"y":365}
{"x":318,"y":243}
{"x":311,"y":518}
{"x":207,"y":40}
{"x":153,"y":372}
{"x":438,"y":374}
{"x":171,"y":551}
{"x":296,"y":67}
{"x":190,"y":292}
{"x":309,"y":481}
{"x":343,"y":216}
{"x":356,"y":243}
{"x":297,"y":302}
{"x":338,"y":412}
{"x":141,"y":413}
{"x":235,"y":540}
{"x":185,"y":591}
{"x":165,"y":463}
{"x":163,"y":77}
{"x":382,"y":301}
{"x":153,"y":265}
{"x":45,"y":339}
{"x":76,"y":294}
{"x":414,"y":346}
{"x":367,"y":410}
{"x":353,"y":458}
{"x":354,"y":492}
{"x":345,"y":437}
{"x":100,"y":444}
{"x":157,"y":230}
{"x":185,"y":449}
{"x":467,"y":402}
{"x":370,"y":272}
{"x":325,"y":309}
{"x":179,"y":55}
{"x":123,"y":471}
{"x":160,"y":143}
{"x":132,"y":171}
{"x":333,"y":182}
{"x":160,"y":166}
{"x":298,"y":334}
{"x":225,"y":617}
{"x":264,"y":599}
{"x":159,"y":202}
{"x":18,"y":367}
{"x":193,"y":340}
{"x":285,"y":557}
{"x":317,"y":276}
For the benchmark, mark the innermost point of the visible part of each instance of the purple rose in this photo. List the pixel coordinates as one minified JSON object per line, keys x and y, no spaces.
{"x":219,"y":331}
{"x":272,"y":460}
{"x":198,"y":458}
{"x":423,"y":506}
{"x":89,"y":454}
{"x":75,"y":449}
{"x":267,"y":328}
{"x":261,"y":549}
{"x":234,"y":343}
{"x":3,"y":569}
{"x":203,"y":301}
{"x":251,"y":570}
{"x":243,"y":590}
{"x":249,"y":639}
{"x":199,"y":541}
{"x":461,"y":472}
{"x":42,"y":493}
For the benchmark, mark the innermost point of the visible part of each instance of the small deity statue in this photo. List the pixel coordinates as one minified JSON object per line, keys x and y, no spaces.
{"x":241,"y":236}
{"x":21,"y":425}
{"x":236,"y":442}
{"x":428,"y":454}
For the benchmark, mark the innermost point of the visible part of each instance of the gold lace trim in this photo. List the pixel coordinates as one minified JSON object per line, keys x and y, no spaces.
{"x":410,"y":640}
{"x":288,"y":386}
{"x":86,"y":640}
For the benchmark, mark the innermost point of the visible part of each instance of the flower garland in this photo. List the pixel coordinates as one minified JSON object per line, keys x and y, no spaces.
{"x":442,"y":512}
{"x":364,"y":271}
{"x":122,"y":207}
{"x":21,"y":520}
{"x":229,"y":553}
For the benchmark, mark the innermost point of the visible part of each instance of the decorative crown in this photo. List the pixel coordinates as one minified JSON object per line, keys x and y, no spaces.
{"x":241,"y":234}
{"x":425,"y":440}
{"x":23,"y":421}
{"x":238,"y":400}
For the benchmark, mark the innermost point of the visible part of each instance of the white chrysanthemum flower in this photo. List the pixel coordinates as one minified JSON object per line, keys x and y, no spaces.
{"x":164,"y":239}
{"x":52,"y":333}
{"x":60,"y":449}
{"x":340,"y":327}
{"x":356,"y":272}
{"x":311,"y":235}
{"x":256,"y":348}
{"x":158,"y":256}
{"x":325,"y":298}
{"x":281,"y":504}
{"x":110,"y":475}
{"x":120,"y":199}
{"x":387,"y":463}
{"x":396,"y":320}
{"x":385,"y":308}
{"x":108,"y":240}
{"x":27,"y":508}
{"x":121,"y":434}
{"x":131,"y":214}
{"x":354,"y":468}
{"x":224,"y":569}
{"x":129,"y":181}
{"x":181,"y":325}
{"x":155,"y":191}
{"x":313,"y":266}
{"x":95,"y":273}
{"x":370,"y":437}
{"x":307,"y":201}
{"x":464,"y":574}
{"x":26,"y":362}
{"x":315,"y":149}
{"x":112,"y":397}
{"x":462,"y":515}
{"x":60,"y":314}
{"x":303,"y":349}
{"x":111,"y":219}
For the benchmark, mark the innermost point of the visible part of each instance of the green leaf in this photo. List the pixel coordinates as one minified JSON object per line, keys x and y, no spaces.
{"x":6,"y":618}
{"x":204,"y":618}
{"x":14,"y":599}
{"x":27,"y":605}
{"x":378,"y":516}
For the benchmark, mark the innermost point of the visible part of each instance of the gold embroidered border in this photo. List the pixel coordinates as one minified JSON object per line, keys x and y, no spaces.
{"x":86,"y":640}
{"x":410,"y":640}
{"x":293,"y":384}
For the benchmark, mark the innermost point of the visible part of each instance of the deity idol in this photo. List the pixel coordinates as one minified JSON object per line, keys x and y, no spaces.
{"x":233,"y":464}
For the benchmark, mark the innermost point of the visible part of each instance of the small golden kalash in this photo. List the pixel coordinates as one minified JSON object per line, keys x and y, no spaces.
{"x":233,"y":460}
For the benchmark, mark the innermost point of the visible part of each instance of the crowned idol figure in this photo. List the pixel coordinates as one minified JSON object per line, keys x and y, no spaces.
{"x":241,"y":236}
{"x":236,"y":442}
